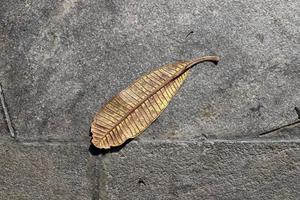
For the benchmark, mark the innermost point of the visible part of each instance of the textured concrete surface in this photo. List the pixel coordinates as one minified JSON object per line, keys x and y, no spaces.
{"x":45,"y":172}
{"x":209,"y":170}
{"x":61,"y":60}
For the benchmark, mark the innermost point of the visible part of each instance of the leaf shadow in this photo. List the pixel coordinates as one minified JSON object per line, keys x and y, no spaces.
{"x":96,"y":151}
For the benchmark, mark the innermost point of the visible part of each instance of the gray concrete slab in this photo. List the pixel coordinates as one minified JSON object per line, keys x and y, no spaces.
{"x":61,"y":60}
{"x":208,"y":170}
{"x":52,"y":171}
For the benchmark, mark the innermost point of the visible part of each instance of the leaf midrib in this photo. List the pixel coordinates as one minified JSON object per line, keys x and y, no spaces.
{"x":145,"y":99}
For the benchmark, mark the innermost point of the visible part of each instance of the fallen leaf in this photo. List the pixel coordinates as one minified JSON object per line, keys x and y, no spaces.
{"x":135,"y":108}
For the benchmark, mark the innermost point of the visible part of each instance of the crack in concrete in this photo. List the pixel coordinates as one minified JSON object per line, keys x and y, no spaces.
{"x":280,"y":128}
{"x":6,"y":114}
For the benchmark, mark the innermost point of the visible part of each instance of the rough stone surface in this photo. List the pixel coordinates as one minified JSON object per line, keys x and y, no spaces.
{"x":45,"y":172}
{"x":209,"y":170}
{"x":61,"y":60}
{"x":3,"y":131}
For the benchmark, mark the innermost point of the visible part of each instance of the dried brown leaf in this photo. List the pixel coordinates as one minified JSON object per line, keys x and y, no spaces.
{"x":130,"y":112}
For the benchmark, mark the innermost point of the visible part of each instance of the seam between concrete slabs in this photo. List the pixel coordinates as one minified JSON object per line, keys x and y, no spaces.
{"x":6,"y":114}
{"x":184,"y":142}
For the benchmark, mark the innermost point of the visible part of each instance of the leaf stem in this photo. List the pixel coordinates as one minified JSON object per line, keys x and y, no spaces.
{"x":194,"y":61}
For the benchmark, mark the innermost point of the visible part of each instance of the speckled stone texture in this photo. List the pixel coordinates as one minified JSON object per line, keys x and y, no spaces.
{"x":209,"y":170}
{"x":36,"y":171}
{"x":61,"y":60}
